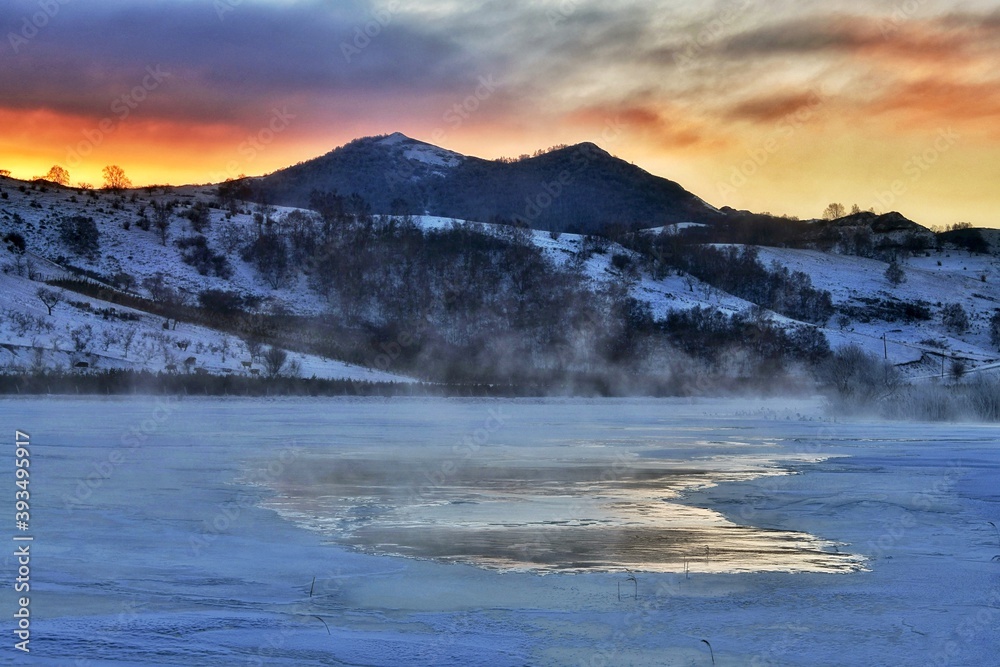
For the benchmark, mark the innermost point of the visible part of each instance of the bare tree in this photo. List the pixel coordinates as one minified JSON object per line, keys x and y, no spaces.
{"x":254,"y":347}
{"x":127,"y":337}
{"x":19,"y":264}
{"x":31,"y":269}
{"x":263,"y":213}
{"x":58,"y":175}
{"x":269,"y":253}
{"x":49,"y":297}
{"x":895,"y":274}
{"x":81,"y":337}
{"x":124,"y":281}
{"x":954,"y":318}
{"x":115,"y":179}
{"x":162,"y":213}
{"x":108,"y":338}
{"x":274,"y":361}
{"x":861,"y":377}
{"x":231,"y":236}
{"x":834,"y":211}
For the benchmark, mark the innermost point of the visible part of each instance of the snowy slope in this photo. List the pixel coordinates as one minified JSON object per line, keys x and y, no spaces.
{"x":31,"y":338}
{"x":137,"y":252}
{"x":942,"y":278}
{"x":423,"y":152}
{"x":675,"y":292}
{"x":847,"y":278}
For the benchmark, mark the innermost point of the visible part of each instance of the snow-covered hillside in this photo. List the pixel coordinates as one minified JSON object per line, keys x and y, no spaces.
{"x":942,"y":278}
{"x":422,"y":152}
{"x":85,"y":331}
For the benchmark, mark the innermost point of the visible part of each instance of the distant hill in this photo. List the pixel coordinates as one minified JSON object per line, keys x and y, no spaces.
{"x":578,"y":188}
{"x":879,"y":224}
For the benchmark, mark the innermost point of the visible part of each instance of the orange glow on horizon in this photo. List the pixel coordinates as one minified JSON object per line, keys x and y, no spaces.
{"x":691,"y":151}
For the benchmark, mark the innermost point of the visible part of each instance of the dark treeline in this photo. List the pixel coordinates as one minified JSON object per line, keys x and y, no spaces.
{"x":144,"y":383}
{"x":885,"y":236}
{"x":738,"y":271}
{"x":712,"y":335}
{"x":118,"y":382}
{"x":476,"y":303}
{"x":467,"y":303}
{"x":129,"y":382}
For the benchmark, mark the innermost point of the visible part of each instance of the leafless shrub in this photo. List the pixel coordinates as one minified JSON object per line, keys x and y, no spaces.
{"x":108,"y":338}
{"x":975,"y":400}
{"x":81,"y":336}
{"x":984,"y":398}
{"x":274,"y":361}
{"x":860,"y":378}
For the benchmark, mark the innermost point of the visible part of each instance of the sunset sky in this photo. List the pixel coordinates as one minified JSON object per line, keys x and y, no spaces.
{"x":780,"y":106}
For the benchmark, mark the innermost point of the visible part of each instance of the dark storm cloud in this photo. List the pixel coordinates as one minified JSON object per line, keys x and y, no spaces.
{"x":221,"y":68}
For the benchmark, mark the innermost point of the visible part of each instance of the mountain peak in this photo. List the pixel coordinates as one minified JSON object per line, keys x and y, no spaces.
{"x":579,"y":188}
{"x":591,"y":147}
{"x":394,"y":139}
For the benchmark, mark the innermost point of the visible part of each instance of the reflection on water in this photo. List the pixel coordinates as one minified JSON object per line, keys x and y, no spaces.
{"x":544,"y":515}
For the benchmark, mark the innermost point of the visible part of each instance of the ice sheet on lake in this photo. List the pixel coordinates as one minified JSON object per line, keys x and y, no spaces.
{"x":547,"y":500}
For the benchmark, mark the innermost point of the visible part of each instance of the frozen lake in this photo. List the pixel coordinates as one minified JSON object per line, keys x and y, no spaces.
{"x":499,"y":532}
